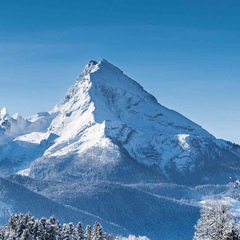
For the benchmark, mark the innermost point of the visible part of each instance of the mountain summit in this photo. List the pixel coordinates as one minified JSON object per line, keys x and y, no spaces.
{"x":110,"y":151}
{"x":108,"y":127}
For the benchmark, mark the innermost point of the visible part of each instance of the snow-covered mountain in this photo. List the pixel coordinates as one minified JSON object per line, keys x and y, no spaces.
{"x":110,"y":142}
{"x":108,"y":127}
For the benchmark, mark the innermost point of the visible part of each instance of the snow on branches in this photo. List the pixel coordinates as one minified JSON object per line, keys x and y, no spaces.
{"x":26,"y":227}
{"x":216,"y":222}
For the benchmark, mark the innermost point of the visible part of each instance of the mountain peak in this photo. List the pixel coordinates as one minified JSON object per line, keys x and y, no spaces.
{"x":3,"y":113}
{"x":89,"y":67}
{"x":102,"y":65}
{"x":108,"y":119}
{"x":17,"y":116}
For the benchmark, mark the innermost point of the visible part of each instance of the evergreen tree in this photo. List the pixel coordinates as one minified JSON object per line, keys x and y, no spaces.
{"x":66,"y":232}
{"x":42,"y":231}
{"x":88,"y":235}
{"x":25,"y":227}
{"x":97,"y":232}
{"x":2,"y":233}
{"x":20,"y":228}
{"x":79,"y":231}
{"x":71,"y":231}
{"x":215,"y":223}
{"x":26,"y":235}
{"x":51,"y":231}
{"x":34,"y":230}
{"x":12,"y":224}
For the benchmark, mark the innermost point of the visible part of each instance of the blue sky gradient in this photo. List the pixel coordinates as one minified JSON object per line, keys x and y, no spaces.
{"x":186,"y":53}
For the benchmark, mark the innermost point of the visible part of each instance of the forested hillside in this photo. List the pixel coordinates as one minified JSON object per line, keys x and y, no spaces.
{"x":26,"y":227}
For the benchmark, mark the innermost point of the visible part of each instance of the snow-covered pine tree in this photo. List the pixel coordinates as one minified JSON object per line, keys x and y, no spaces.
{"x":10,"y":231}
{"x":72,"y":232}
{"x":34,"y":231}
{"x":97,"y":232}
{"x":51,"y":228}
{"x":25,"y":227}
{"x":42,"y":231}
{"x":216,"y":222}
{"x":80,"y":231}
{"x":12,"y":223}
{"x":20,"y":227}
{"x":88,"y":234}
{"x":65,"y":232}
{"x":26,"y":235}
{"x":26,"y":218}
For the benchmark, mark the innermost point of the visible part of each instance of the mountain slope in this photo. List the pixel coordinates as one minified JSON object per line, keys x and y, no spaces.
{"x":22,"y":140}
{"x":136,"y":208}
{"x":107,"y":127}
{"x":15,"y":198}
{"x":109,"y":148}
{"x":108,"y":123}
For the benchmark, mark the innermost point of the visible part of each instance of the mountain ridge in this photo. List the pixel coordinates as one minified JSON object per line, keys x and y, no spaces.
{"x":105,"y":119}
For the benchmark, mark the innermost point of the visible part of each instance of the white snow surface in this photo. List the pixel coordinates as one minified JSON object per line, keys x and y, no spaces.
{"x":105,"y":104}
{"x":105,"y":109}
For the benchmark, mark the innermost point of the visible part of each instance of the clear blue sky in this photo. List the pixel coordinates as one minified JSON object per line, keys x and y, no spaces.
{"x":186,"y":53}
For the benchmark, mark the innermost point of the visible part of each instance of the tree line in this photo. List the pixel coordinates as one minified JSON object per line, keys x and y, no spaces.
{"x":26,"y":227}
